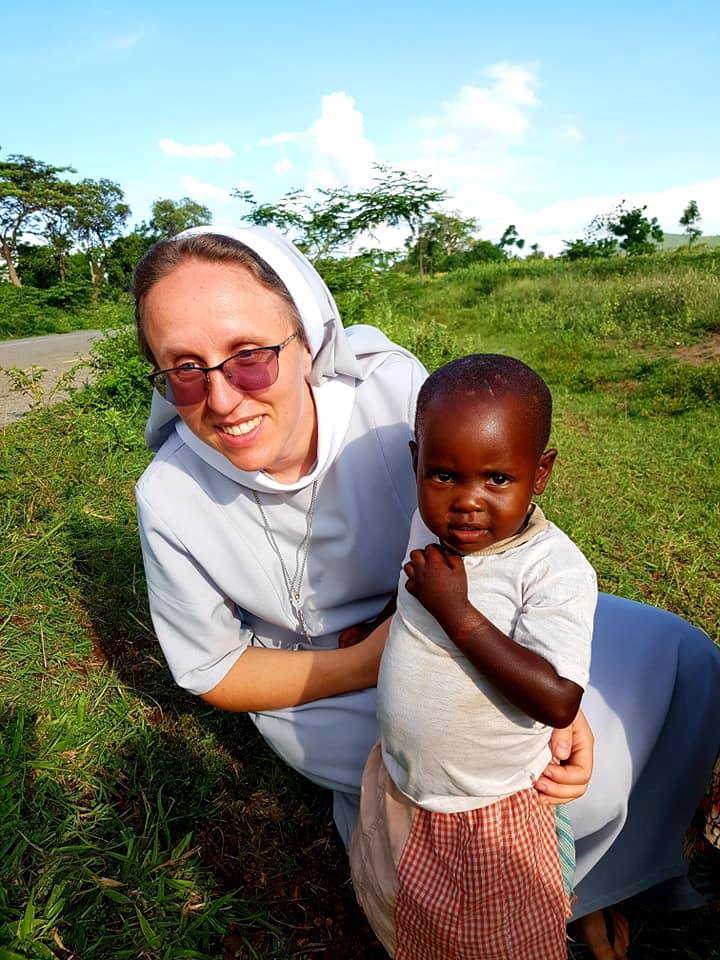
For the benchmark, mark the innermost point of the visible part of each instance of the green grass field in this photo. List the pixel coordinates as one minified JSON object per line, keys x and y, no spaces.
{"x":136,"y":822}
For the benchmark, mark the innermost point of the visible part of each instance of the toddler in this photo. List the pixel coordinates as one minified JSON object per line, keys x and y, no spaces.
{"x":455,"y":856}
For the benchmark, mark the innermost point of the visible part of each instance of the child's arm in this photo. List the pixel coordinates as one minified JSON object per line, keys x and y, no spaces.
{"x":438,"y":581}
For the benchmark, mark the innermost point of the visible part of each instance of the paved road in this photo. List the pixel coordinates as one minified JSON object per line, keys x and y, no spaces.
{"x":55,"y":353}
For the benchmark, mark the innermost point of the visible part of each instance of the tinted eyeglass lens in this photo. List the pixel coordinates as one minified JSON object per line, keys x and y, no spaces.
{"x":255,"y":372}
{"x":183,"y":387}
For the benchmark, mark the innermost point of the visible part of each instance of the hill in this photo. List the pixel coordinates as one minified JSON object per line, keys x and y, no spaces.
{"x":674,"y":240}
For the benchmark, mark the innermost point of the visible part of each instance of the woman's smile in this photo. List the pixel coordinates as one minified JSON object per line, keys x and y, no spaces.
{"x":242,"y":429}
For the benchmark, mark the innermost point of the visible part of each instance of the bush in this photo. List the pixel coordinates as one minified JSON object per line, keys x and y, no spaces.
{"x":29,"y":312}
{"x":121,"y":374}
{"x":669,"y":387}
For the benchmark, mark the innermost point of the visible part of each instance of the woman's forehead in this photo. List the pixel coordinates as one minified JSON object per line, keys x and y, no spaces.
{"x":202,"y":305}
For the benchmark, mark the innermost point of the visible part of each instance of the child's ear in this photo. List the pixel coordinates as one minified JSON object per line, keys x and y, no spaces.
{"x":414,"y":454}
{"x":544,"y":469}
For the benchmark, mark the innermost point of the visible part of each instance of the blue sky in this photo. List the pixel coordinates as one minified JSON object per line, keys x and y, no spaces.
{"x":541,"y":115}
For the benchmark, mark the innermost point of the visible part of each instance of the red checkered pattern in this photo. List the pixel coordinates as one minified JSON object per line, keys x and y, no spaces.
{"x":482,"y":885}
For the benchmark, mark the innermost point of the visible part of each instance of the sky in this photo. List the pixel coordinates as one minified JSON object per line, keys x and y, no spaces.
{"x":541,"y":115}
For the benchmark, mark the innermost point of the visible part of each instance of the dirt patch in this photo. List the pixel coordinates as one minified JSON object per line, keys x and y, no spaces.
{"x":705,"y":351}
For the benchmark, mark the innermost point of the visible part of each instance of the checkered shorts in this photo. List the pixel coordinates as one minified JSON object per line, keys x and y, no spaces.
{"x":484,"y":884}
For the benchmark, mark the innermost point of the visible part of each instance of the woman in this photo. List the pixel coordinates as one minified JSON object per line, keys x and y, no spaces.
{"x":274,"y":519}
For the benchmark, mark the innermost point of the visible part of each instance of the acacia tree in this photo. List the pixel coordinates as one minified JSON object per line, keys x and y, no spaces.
{"x":690,"y":218}
{"x":98,"y":216}
{"x":335,"y":218}
{"x":29,"y":189}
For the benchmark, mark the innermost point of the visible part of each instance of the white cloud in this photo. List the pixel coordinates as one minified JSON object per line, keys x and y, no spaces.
{"x":216,"y":151}
{"x":571,"y":133}
{"x":200,"y":190}
{"x":341,"y":151}
{"x":282,"y":166}
{"x":497,"y":110}
{"x":278,"y":138}
{"x":515,"y":82}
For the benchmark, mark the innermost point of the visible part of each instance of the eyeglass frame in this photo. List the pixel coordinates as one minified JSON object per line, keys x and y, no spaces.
{"x":193,"y":368}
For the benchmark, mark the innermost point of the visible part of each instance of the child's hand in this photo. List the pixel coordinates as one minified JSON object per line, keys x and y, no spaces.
{"x":438,"y":580}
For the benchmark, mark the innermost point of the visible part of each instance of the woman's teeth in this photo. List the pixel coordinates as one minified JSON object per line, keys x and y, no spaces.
{"x":242,"y":428}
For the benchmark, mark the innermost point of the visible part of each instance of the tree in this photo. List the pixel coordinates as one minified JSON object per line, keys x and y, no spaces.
{"x":123,"y":255}
{"x":28,"y":189}
{"x":510,"y":239}
{"x":170,"y":217}
{"x":336,"y":218}
{"x":690,"y":218}
{"x":535,"y":252}
{"x":636,"y":232}
{"x":98,"y":216}
{"x":585,"y":248}
{"x":439,"y":237}
{"x":57,"y":225}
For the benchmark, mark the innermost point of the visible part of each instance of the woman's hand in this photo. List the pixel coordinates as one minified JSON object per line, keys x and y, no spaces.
{"x":567,"y":777}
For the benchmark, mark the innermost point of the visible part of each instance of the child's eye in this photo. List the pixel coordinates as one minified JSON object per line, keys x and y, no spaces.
{"x":499,"y":479}
{"x":442,"y":476}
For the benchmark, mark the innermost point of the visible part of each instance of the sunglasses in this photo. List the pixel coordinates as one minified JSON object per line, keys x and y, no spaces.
{"x":246,"y":372}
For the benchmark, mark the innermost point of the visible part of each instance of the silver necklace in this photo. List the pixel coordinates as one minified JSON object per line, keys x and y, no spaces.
{"x":293,"y":586}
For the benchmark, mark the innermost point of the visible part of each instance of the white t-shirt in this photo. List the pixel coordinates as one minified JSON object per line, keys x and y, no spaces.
{"x":450,"y":741}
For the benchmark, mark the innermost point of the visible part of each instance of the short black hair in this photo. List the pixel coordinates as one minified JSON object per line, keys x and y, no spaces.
{"x":491,"y":375}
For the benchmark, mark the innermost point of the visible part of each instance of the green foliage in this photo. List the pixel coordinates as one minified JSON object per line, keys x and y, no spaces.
{"x":636,"y":232}
{"x":668,"y":387}
{"x":121,"y":374}
{"x":690,"y":219}
{"x":510,"y":239}
{"x":37,"y":265}
{"x":331,"y":221}
{"x":28,"y":312}
{"x":29,"y":189}
{"x":439,"y":237}
{"x":122,"y":257}
{"x":98,"y":214}
{"x":584,"y":249}
{"x":170,"y":217}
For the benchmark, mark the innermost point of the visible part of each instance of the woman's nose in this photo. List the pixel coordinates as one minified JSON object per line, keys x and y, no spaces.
{"x":221,"y":397}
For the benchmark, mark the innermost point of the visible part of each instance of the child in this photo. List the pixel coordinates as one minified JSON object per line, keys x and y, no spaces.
{"x":455,"y":856}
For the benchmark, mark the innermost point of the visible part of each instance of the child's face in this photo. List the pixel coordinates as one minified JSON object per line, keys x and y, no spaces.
{"x":477,"y":468}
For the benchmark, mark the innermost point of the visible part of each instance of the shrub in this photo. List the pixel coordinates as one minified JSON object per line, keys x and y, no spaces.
{"x":121,"y":374}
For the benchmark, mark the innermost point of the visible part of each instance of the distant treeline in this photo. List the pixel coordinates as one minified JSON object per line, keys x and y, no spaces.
{"x":69,"y":236}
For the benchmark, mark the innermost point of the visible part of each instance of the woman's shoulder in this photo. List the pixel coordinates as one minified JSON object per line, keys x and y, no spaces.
{"x":391,"y":380}
{"x":174,"y":476}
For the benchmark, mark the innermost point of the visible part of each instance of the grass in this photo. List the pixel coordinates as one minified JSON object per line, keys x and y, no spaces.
{"x":135,"y":822}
